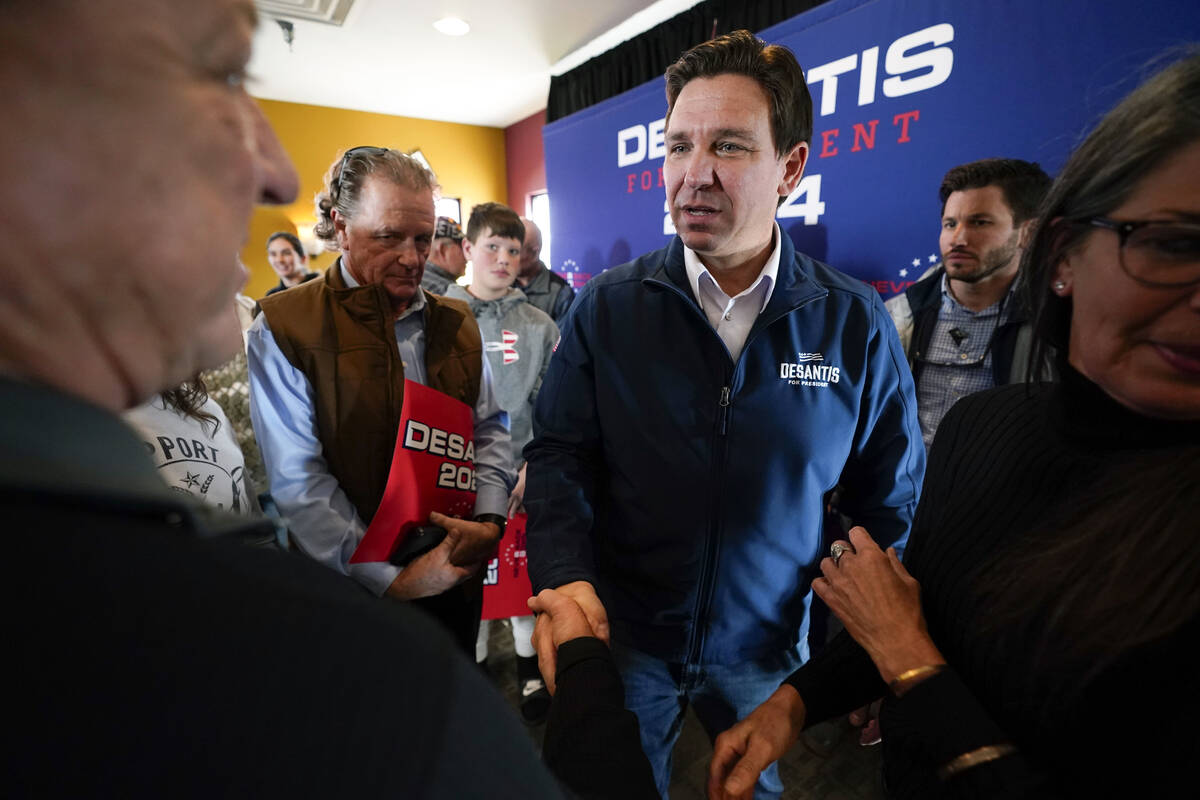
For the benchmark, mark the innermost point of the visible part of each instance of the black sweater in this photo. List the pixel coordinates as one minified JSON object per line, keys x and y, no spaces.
{"x":1005,"y":463}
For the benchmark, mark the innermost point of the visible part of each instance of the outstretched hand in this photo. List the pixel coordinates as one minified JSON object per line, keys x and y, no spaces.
{"x":571,"y":611}
{"x":741,"y":753}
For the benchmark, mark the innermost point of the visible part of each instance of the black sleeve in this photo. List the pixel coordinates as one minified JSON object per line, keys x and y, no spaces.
{"x":162,"y":666}
{"x":836,"y":681}
{"x":842,"y":676}
{"x":592,"y":742}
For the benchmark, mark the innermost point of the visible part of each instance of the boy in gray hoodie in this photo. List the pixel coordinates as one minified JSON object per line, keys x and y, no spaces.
{"x":518,"y":339}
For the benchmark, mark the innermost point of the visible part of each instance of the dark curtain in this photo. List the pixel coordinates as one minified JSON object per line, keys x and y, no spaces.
{"x":638,"y":60}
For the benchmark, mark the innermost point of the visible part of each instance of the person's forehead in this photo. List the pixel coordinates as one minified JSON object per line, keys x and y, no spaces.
{"x":724,"y":102}
{"x":386,"y":201}
{"x":212,"y":18}
{"x":980,"y":200}
{"x":489,"y":235}
{"x":197,"y":26}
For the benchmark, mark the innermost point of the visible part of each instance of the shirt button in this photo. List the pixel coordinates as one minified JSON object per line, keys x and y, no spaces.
{"x":962,"y":355}
{"x":729,"y":317}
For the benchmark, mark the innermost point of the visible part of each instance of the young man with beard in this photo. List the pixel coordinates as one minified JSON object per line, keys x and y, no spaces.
{"x":964,"y":326}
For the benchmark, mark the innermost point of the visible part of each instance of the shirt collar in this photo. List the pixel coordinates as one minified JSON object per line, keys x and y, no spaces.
{"x":949,"y":301}
{"x":418,"y":301}
{"x":769,"y":275}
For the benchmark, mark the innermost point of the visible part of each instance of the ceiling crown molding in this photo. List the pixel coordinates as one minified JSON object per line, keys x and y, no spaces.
{"x":330,"y":12}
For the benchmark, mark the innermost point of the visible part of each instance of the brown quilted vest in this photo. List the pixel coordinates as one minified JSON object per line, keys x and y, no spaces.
{"x":342,"y":339}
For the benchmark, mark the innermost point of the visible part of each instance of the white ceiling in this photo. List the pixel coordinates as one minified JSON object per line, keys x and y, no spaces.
{"x":387,"y":57}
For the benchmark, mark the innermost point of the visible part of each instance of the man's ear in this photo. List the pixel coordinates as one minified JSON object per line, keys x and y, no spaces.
{"x":793,"y":168}
{"x":339,"y":229}
{"x":1025,"y":232}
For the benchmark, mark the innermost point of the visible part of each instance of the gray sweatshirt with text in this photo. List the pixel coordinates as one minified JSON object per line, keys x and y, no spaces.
{"x":518,"y":340}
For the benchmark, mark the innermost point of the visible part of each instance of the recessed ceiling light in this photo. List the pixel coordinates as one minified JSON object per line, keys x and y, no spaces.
{"x":452,"y":26}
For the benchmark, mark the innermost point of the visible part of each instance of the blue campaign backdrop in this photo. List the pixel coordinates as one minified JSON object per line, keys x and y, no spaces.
{"x":902,"y":91}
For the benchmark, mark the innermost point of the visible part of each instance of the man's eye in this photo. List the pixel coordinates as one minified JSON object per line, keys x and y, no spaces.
{"x":235,"y":78}
{"x":729,"y":147}
{"x":679,"y":148}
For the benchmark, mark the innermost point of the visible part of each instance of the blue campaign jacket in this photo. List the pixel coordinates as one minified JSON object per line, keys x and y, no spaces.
{"x":690,"y":489}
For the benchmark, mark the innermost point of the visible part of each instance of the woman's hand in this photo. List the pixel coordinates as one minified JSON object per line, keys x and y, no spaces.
{"x":879,"y":603}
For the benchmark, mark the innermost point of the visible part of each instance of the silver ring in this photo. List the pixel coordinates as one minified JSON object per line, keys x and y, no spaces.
{"x":837,"y":550}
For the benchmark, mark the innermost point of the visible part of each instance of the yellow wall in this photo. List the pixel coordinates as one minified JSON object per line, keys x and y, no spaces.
{"x":468,"y":159}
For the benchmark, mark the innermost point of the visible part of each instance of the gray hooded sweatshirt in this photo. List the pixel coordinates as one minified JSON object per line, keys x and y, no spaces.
{"x":518,"y":340}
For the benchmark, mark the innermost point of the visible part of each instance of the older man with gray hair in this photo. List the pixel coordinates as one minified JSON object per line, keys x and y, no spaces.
{"x":151,"y":652}
{"x":329,"y":362}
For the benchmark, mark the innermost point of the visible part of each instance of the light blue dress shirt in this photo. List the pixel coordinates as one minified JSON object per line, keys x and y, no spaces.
{"x":953,"y":368}
{"x":323,"y":522}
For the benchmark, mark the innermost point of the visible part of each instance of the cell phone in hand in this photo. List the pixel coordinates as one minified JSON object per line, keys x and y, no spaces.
{"x":419,"y":541}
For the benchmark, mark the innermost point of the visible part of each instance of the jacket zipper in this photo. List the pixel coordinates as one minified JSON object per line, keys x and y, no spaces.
{"x":705,"y":587}
{"x":712,"y":540}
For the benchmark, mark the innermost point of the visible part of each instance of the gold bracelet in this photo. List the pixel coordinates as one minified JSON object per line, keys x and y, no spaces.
{"x":897,"y":683}
{"x":974,"y":758}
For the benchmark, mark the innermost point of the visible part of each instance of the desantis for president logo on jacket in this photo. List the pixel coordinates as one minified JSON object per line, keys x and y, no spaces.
{"x":809,"y":370}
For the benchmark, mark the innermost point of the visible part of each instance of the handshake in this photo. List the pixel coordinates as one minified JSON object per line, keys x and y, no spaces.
{"x":569,"y":612}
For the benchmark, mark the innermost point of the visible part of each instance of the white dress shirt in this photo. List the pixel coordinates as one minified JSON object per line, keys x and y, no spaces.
{"x":732,"y":317}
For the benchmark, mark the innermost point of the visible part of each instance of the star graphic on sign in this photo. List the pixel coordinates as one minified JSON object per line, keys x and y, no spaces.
{"x":932,"y":259}
{"x":903,"y":273}
{"x":192,"y":479}
{"x":916,"y":262}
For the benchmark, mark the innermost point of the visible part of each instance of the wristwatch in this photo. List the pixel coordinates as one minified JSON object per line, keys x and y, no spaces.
{"x":497,"y":519}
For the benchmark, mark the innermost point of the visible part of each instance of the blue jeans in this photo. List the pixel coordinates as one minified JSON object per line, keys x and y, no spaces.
{"x":659,"y":693}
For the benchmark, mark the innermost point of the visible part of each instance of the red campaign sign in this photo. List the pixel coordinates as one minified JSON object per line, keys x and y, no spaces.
{"x":433,"y":469}
{"x":506,"y":584}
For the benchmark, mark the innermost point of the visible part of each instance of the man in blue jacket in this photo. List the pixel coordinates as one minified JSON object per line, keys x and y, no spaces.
{"x":703,"y":402}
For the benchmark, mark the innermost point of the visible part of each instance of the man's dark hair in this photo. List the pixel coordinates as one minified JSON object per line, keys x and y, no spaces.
{"x":774,"y":68}
{"x":292,"y":239}
{"x":496,"y":217}
{"x":1023,"y":183}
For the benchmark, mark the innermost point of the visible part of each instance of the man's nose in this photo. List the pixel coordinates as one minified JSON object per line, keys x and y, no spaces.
{"x":277,"y":180}
{"x":409,"y":255}
{"x":699,"y":171}
{"x":958,"y":235}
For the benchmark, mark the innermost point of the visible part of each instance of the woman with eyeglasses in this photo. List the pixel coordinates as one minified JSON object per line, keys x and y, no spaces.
{"x":1037,"y":640}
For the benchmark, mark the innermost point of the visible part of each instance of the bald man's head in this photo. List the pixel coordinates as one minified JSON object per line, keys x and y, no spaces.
{"x":531,"y":251}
